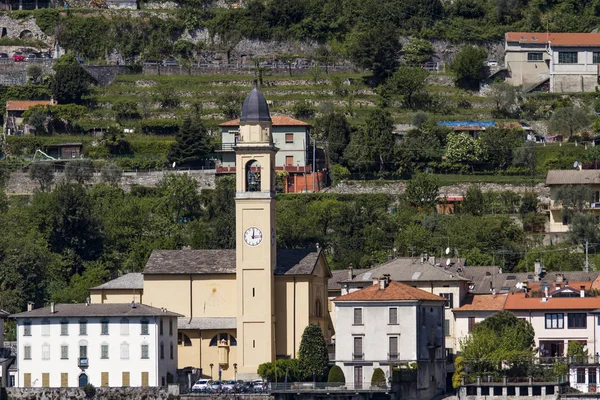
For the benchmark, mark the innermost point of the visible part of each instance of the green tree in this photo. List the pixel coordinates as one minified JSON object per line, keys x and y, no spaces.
{"x":525,"y":157}
{"x":459,"y":372}
{"x":70,"y":82}
{"x":461,"y":148}
{"x":380,"y":125}
{"x":192,"y":144}
{"x":504,"y":97}
{"x":335,"y":129}
{"x":303,"y":109}
{"x":577,"y":351}
{"x":126,"y":109}
{"x":336,"y":376}
{"x":111,"y":174}
{"x":376,"y":49}
{"x":416,"y":52}
{"x":80,"y":171}
{"x":378,"y":378}
{"x":312,"y":355}
{"x":280,"y":370}
{"x":500,"y":339}
{"x":473,"y":203}
{"x":422,"y":190}
{"x":584,"y":226}
{"x":408,"y":82}
{"x":43,"y":172}
{"x":574,"y":198}
{"x":35,"y":72}
{"x":468,"y":66}
{"x":179,"y":196}
{"x":497,"y":146}
{"x":230,"y":105}
{"x":568,"y":121}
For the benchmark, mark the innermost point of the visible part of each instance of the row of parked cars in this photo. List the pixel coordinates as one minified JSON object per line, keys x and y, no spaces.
{"x":19,"y":57}
{"x":210,"y":386}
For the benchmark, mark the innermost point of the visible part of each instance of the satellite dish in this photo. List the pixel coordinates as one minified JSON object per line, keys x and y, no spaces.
{"x":174,"y":162}
{"x":447,"y":250}
{"x":448,"y":262}
{"x":576,"y":164}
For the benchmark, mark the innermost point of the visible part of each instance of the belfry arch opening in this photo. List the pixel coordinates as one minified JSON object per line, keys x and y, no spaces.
{"x":253,"y":176}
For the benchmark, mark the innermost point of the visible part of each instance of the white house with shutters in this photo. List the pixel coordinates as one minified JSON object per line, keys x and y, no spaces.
{"x":388,"y":324}
{"x":115,"y":345}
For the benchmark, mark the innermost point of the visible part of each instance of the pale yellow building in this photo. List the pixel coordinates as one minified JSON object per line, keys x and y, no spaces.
{"x":246,"y":306}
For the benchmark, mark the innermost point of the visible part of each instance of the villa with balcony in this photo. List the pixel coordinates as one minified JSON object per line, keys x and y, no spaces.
{"x":559,"y":62}
{"x":558,"y":222}
{"x":110,"y":345}
{"x":388,"y":324}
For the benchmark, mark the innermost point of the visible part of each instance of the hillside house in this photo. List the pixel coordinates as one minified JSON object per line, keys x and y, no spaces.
{"x":567,"y":62}
{"x":13,"y":117}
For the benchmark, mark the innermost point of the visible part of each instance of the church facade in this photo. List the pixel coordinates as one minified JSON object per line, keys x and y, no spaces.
{"x":243,"y":306}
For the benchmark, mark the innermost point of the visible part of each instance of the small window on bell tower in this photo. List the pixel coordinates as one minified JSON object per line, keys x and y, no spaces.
{"x":253,"y":172}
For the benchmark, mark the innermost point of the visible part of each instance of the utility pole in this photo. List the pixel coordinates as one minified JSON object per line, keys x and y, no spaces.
{"x":587,"y":264}
{"x":314,"y":170}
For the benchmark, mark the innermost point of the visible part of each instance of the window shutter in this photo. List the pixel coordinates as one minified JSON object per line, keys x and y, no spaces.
{"x":446,"y":327}
{"x":393,"y":345}
{"x":358,"y":346}
{"x":64,"y":352}
{"x":125,"y":378}
{"x":144,"y":379}
{"x":358,"y":316}
{"x":104,"y":380}
{"x":64,"y":379}
{"x":393,"y":316}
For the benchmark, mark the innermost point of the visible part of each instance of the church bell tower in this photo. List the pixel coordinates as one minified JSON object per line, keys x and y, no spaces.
{"x":255,"y":235}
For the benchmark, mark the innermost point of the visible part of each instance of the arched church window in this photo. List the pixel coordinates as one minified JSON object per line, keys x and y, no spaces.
{"x":253,"y":171}
{"x":214,"y":341}
{"x":183,"y":339}
{"x":232,"y":341}
{"x":318,"y":308}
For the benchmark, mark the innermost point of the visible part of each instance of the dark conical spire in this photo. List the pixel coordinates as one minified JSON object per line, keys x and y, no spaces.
{"x":255,"y":108}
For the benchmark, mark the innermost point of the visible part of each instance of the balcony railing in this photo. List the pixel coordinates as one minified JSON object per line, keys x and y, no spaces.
{"x":83,"y":362}
{"x":358,"y":356}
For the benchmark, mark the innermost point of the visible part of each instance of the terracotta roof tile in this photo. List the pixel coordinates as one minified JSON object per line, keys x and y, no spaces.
{"x":518,"y":301}
{"x":394,"y":291}
{"x":483,"y":302}
{"x":278,"y":120}
{"x":24,"y":105}
{"x":555,"y":39}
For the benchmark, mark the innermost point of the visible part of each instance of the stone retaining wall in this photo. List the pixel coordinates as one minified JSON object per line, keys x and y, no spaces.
{"x":19,"y":182}
{"x":78,"y":394}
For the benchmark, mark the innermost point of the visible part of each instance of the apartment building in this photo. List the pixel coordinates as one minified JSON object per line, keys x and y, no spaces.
{"x":388,"y":324}
{"x":565,"y":62}
{"x":115,"y":345}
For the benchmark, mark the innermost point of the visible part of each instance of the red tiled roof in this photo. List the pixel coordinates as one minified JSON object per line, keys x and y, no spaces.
{"x":483,"y":302}
{"x":555,"y":39}
{"x":278,"y":120}
{"x":394,"y":291}
{"x":24,"y":105}
{"x":518,"y":301}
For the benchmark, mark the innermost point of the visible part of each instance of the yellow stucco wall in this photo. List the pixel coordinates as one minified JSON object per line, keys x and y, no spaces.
{"x":210,"y":354}
{"x":189,"y":356}
{"x":212,"y":295}
{"x":100,"y":296}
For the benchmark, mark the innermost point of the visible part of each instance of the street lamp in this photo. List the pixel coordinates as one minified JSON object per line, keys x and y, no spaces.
{"x":235,"y":371}
{"x":211,"y":367}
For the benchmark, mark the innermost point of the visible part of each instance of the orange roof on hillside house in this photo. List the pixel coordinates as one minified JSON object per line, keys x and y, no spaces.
{"x":19,"y":105}
{"x":518,"y":302}
{"x":483,"y":302}
{"x":393,"y":291}
{"x":555,"y":39}
{"x":278,"y":120}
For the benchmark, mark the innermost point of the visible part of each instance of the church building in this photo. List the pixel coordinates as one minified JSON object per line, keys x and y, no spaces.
{"x":245,"y":306}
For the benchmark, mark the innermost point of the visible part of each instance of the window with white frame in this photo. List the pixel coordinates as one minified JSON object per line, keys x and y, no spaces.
{"x":104,"y":351}
{"x":358,"y":317}
{"x":27,"y":352}
{"x":567,"y":57}
{"x":145,"y":352}
{"x":64,"y":351}
{"x":124,"y":351}
{"x":555,"y":321}
{"x":46,"y":351}
{"x":145,"y":329}
{"x":64,"y":327}
{"x":535,"y":56}
{"x":27,"y":328}
{"x":83,"y":349}
{"x":104,"y":325}
{"x":83,"y":327}
{"x":393,"y":316}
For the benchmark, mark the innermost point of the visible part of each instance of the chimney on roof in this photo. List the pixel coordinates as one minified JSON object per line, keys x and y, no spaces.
{"x":432,"y":260}
{"x":546,"y":291}
{"x":559,"y":278}
{"x":422,"y":259}
{"x":52,"y":308}
{"x":383,"y":282}
{"x":581,"y":291}
{"x":350,"y":272}
{"x":133,"y":304}
{"x":30,"y":306}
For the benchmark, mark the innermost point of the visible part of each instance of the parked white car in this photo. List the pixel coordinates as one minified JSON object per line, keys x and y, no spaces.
{"x":201,"y":385}
{"x":492,"y":63}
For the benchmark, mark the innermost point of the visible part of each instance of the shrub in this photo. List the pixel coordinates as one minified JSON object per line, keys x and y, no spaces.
{"x":459,"y":366}
{"x":378,"y":378}
{"x":340,"y":173}
{"x":303,"y":109}
{"x":89,"y":390}
{"x":336,"y":376}
{"x":126,"y":109}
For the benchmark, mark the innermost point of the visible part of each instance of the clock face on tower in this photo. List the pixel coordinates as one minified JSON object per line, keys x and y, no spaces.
{"x":253,"y":236}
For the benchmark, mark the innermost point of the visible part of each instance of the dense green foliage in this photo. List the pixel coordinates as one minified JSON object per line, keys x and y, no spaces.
{"x":70,"y":81}
{"x":281,"y":370}
{"x":500,"y":339}
{"x":336,"y":376}
{"x":312,"y":355}
{"x":378,"y":378}
{"x":192,"y":144}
